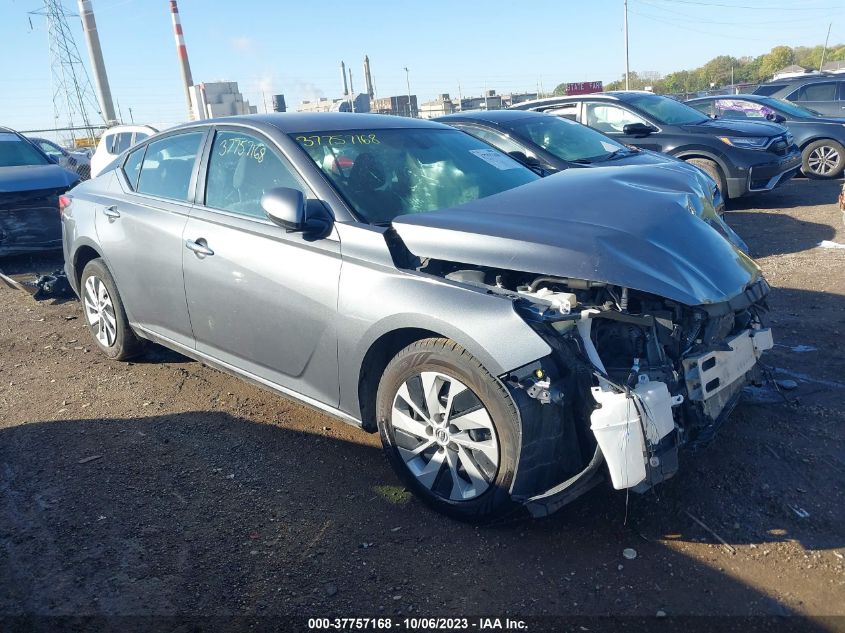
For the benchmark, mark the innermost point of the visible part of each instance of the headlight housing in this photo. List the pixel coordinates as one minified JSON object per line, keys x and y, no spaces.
{"x":745,"y":142}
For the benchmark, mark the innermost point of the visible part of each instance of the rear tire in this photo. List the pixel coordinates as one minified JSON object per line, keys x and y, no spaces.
{"x":450,"y":429}
{"x":823,"y":159}
{"x":104,"y":313}
{"x":714,"y":171}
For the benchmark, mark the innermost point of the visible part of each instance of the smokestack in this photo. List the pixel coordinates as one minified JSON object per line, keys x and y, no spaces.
{"x":89,"y":25}
{"x":368,"y":80}
{"x":183,"y":56}
{"x":343,"y":72}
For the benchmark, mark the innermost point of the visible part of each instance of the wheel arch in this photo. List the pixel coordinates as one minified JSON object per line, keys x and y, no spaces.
{"x":375,"y":360}
{"x":813,"y":139}
{"x":81,"y":256}
{"x":689,"y":153}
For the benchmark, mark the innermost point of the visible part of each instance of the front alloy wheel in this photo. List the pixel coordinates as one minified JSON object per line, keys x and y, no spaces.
{"x":450,"y":429}
{"x":445,"y":436}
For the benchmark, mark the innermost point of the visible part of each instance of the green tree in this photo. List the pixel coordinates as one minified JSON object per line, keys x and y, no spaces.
{"x":778,"y":58}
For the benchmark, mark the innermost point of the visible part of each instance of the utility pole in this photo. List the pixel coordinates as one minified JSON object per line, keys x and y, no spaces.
{"x":408,"y":82}
{"x":627,"y":68}
{"x":92,"y":38}
{"x":824,"y":50}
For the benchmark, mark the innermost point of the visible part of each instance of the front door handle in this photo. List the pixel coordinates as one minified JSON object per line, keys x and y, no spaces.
{"x":111,"y":212}
{"x":198,"y":248}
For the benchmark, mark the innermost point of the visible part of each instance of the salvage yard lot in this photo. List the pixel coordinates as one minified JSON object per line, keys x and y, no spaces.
{"x":164,"y":487}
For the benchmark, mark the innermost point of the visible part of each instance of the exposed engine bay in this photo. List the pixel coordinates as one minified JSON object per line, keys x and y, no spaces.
{"x":633,"y":376}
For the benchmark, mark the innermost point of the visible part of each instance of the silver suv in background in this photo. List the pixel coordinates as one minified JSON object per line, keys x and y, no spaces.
{"x":515,"y":340}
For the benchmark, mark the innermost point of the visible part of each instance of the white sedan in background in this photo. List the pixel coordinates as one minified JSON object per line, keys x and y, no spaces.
{"x":115,"y":141}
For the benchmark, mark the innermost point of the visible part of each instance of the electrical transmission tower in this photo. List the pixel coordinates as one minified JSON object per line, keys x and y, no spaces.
{"x":74,"y":104}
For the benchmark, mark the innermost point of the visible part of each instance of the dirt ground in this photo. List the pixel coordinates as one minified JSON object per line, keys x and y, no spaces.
{"x":163,"y":487}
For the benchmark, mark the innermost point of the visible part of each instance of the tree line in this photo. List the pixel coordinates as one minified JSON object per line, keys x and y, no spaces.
{"x":725,"y":69}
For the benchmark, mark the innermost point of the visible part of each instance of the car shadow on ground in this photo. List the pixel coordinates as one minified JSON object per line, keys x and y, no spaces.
{"x":777,"y":233}
{"x":797,"y":192}
{"x":208,"y":514}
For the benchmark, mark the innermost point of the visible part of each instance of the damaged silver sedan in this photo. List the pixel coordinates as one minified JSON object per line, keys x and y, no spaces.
{"x":515,"y":341}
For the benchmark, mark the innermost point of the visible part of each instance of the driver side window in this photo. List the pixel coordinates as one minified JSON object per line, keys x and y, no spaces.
{"x":610,"y":119}
{"x":241,"y":168}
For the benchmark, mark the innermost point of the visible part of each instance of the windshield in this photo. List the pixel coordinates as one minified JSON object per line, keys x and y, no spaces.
{"x":665,"y":110}
{"x":566,"y":139}
{"x":384,"y":173}
{"x":16,"y":152}
{"x":790,"y":108}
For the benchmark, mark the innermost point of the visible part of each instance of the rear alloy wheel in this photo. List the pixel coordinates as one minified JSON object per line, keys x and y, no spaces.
{"x":449,"y":429}
{"x":823,"y":159}
{"x":104,"y":313}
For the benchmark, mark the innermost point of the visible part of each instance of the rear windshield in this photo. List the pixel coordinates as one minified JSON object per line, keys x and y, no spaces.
{"x":16,"y":152}
{"x":566,"y":139}
{"x":384,"y":173}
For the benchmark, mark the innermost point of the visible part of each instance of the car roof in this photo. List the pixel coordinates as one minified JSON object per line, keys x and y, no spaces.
{"x":491,"y":116}
{"x":298,"y":122}
{"x":8,"y":130}
{"x":808,"y":78}
{"x":747,"y":97}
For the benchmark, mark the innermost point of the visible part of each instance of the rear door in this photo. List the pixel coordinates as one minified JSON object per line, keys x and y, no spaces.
{"x":141,"y":228}
{"x":260,"y":299}
{"x":822,"y":96}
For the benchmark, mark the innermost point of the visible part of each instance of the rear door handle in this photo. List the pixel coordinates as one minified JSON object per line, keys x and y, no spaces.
{"x":111,"y":212}
{"x":199,"y":249}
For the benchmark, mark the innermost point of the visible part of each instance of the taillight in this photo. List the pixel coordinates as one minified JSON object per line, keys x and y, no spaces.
{"x":64,"y":203}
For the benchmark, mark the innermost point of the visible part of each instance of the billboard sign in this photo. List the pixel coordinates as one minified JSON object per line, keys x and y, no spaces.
{"x":584,"y":88}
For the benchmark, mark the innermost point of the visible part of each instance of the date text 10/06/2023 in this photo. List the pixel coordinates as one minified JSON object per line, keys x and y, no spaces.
{"x":418,"y":624}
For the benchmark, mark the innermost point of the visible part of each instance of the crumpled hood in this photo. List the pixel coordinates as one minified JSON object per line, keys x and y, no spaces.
{"x":627,"y":226}
{"x":732,"y":127}
{"x":33,"y":177}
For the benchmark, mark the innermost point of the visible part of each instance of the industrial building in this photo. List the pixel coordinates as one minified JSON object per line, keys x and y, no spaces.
{"x":441,"y":106}
{"x":218,"y":98}
{"x":397,"y":106}
{"x":361,"y":103}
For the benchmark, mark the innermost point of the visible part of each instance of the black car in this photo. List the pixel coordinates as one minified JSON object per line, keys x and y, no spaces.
{"x":822,"y":92}
{"x":741,"y":156}
{"x":821,"y":139}
{"x":30,"y":187}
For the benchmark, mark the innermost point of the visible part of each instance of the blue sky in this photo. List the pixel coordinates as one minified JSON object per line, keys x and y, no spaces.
{"x":295,"y":48}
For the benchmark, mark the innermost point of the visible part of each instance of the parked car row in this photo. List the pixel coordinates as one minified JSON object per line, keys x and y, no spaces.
{"x":820,"y":139}
{"x":514,"y":335}
{"x":741,"y":156}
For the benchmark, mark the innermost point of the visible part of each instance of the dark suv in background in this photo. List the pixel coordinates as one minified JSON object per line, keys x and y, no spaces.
{"x":822,"y":92}
{"x":821,"y":139}
{"x":741,"y":156}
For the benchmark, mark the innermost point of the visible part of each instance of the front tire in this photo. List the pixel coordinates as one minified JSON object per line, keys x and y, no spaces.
{"x":450,"y":429}
{"x":713,"y":170}
{"x":104,"y":313}
{"x":823,"y":159}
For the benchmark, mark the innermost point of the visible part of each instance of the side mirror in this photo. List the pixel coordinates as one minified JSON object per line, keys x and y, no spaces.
{"x":774,"y":117}
{"x":637,"y":129}
{"x":286,"y":207}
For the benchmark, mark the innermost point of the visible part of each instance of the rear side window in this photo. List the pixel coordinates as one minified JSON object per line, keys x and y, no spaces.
{"x":241,"y":169}
{"x":118,"y":143}
{"x":168,"y":164}
{"x":132,"y":166}
{"x":822,"y":91}
{"x":767,"y":90}
{"x":566,"y":110}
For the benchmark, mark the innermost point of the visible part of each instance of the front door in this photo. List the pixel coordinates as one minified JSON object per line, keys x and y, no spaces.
{"x":260,"y":299}
{"x":611,"y":119}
